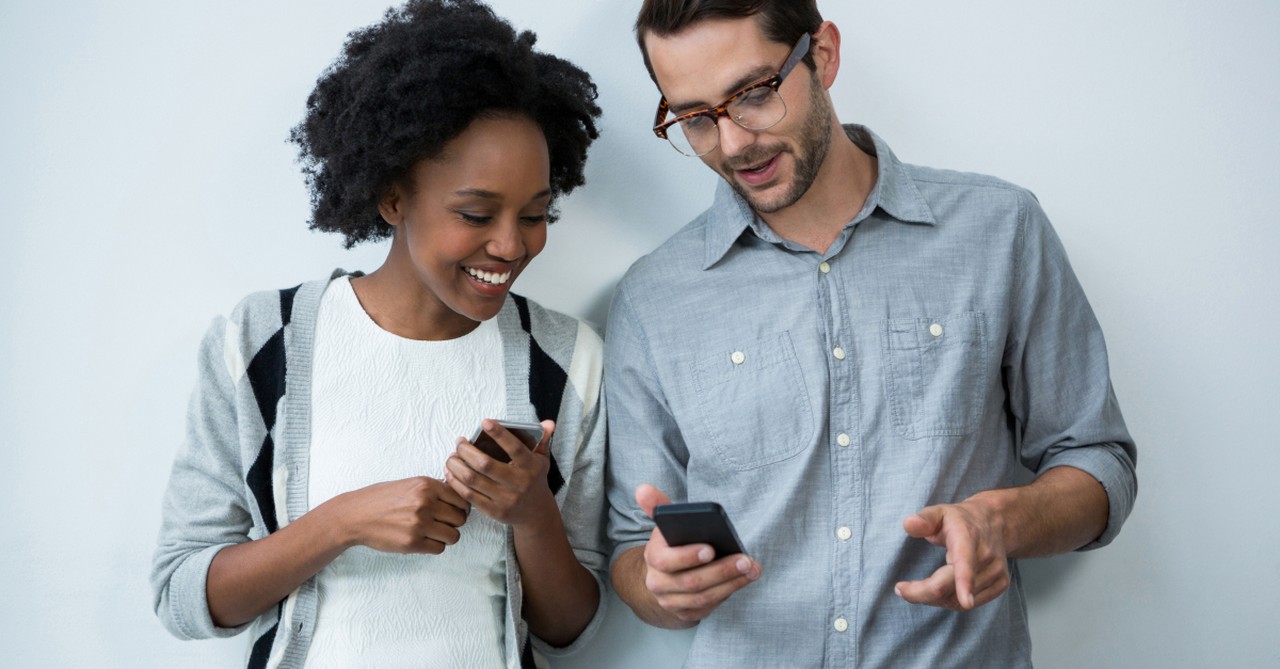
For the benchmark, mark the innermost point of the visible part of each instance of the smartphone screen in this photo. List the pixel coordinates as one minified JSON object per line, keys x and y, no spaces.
{"x":528,"y":433}
{"x":698,"y":523}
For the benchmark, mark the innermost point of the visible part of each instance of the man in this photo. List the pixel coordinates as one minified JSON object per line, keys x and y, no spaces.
{"x":855,"y":357}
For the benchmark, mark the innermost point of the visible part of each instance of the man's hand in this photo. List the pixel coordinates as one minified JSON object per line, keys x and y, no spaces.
{"x":977,"y":569}
{"x":1062,"y":510}
{"x":687,"y":582}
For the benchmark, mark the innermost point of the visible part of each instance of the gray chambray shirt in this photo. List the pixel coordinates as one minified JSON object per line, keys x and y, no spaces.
{"x":941,"y":344}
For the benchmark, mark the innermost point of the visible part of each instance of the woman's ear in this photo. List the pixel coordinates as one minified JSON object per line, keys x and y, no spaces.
{"x":391,"y":205}
{"x":826,"y":52}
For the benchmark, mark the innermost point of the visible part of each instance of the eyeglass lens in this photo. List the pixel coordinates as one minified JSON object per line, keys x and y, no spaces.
{"x":757,"y":109}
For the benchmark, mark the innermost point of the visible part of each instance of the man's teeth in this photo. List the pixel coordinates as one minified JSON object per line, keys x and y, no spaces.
{"x":488,"y":277}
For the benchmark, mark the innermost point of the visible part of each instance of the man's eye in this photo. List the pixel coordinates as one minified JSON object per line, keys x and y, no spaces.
{"x":696,"y":124}
{"x":755,"y":96}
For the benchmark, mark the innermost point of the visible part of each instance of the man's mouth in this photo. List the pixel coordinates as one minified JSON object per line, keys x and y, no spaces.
{"x":759,"y":172}
{"x":491,"y":278}
{"x":758,"y":167}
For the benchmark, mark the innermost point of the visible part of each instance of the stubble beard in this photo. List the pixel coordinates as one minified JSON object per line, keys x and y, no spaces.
{"x":815,"y":141}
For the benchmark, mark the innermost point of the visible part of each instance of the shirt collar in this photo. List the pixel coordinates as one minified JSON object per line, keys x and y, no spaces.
{"x":895,"y":193}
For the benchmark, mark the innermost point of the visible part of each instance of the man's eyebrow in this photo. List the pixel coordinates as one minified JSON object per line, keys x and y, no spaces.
{"x":741,"y":83}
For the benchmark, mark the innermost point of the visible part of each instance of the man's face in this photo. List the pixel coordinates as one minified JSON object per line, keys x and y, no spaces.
{"x":704,"y":64}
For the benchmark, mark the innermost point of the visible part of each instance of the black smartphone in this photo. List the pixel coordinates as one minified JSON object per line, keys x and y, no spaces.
{"x":698,"y":523}
{"x":529,"y":433}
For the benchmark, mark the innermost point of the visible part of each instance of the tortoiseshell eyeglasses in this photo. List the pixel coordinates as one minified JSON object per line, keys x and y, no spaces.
{"x":757,"y":106}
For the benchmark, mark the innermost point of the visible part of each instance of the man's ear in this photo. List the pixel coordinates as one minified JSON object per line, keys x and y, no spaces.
{"x":826,"y":52}
{"x":391,"y":205}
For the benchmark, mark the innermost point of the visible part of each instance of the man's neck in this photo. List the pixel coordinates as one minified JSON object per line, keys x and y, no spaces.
{"x":839,"y":192}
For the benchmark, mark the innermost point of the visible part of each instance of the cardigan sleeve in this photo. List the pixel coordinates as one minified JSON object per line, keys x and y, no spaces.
{"x":204,"y":508}
{"x":582,"y":506}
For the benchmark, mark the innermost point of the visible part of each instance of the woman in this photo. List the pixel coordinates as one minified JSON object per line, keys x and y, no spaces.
{"x":323,"y":496}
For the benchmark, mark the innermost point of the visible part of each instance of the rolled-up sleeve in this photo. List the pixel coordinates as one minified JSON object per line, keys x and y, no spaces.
{"x":203,"y":509}
{"x":1058,"y":377}
{"x":645,"y":444}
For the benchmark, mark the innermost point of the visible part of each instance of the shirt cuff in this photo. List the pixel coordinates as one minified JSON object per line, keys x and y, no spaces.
{"x":1111,"y":467}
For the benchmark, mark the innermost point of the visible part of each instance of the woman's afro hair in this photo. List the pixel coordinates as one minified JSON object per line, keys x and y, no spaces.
{"x":405,"y":87}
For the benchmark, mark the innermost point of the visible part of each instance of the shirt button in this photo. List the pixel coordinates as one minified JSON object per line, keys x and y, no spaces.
{"x":838,"y":353}
{"x":738,"y":358}
{"x":845,"y":534}
{"x":841,"y":624}
{"x":935,"y":330}
{"x":824,"y":268}
{"x":844,"y":440}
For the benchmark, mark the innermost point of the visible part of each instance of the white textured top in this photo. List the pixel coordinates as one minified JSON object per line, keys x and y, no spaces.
{"x":387,"y":408}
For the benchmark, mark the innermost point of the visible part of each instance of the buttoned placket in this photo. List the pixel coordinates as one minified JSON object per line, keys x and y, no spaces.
{"x":844,"y":460}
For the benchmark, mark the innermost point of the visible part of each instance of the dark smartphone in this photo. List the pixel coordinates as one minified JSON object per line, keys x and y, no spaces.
{"x":529,"y":433}
{"x":698,"y":523}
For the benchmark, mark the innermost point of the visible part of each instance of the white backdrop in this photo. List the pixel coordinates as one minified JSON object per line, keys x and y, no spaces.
{"x":145,"y":185}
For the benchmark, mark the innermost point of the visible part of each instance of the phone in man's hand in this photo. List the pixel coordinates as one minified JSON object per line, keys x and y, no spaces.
{"x":698,"y":523}
{"x":528,"y":433}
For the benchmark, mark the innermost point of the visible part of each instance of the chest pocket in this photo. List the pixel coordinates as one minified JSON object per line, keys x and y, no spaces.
{"x":753,"y":401}
{"x":936,"y":373}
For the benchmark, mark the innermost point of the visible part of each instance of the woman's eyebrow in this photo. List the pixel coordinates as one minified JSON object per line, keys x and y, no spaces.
{"x":491,"y":195}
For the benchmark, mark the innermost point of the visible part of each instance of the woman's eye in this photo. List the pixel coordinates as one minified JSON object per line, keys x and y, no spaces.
{"x":474,"y":219}
{"x":534,"y":220}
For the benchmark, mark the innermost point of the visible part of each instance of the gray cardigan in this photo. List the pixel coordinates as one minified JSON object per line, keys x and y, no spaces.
{"x":241,"y":472}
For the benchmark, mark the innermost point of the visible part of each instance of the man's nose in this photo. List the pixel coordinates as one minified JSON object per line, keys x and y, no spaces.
{"x":733,"y":137}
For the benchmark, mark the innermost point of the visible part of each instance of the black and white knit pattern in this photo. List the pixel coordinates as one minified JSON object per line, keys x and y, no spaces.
{"x":242,"y":471}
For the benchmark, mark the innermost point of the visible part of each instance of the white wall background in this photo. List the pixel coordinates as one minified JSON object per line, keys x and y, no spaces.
{"x":145,"y":185}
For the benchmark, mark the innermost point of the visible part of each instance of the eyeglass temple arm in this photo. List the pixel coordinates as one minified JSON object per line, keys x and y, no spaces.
{"x":663,"y":108}
{"x":797,"y":54}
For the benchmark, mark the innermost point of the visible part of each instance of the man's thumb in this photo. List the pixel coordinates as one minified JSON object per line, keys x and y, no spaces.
{"x":648,"y":497}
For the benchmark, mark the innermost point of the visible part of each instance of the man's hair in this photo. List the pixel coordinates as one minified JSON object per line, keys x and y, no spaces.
{"x":782,"y":21}
{"x":405,"y":87}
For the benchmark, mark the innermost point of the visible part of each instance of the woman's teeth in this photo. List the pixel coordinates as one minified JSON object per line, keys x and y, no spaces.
{"x":488,"y":277}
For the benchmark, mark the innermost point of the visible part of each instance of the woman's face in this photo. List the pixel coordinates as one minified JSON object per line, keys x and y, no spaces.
{"x":476,"y":216}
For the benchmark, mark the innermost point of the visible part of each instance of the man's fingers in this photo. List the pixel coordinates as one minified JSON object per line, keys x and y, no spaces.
{"x":990,"y":583}
{"x":925,"y":524}
{"x":698,"y":605}
{"x":672,"y":559}
{"x":962,"y":555}
{"x":940,"y":589}
{"x":936,"y":590}
{"x":694,"y":593}
{"x":648,"y":497}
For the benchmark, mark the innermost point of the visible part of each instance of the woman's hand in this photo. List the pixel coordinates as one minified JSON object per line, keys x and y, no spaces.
{"x":413,"y":515}
{"x":416,"y":515}
{"x":514,"y":493}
